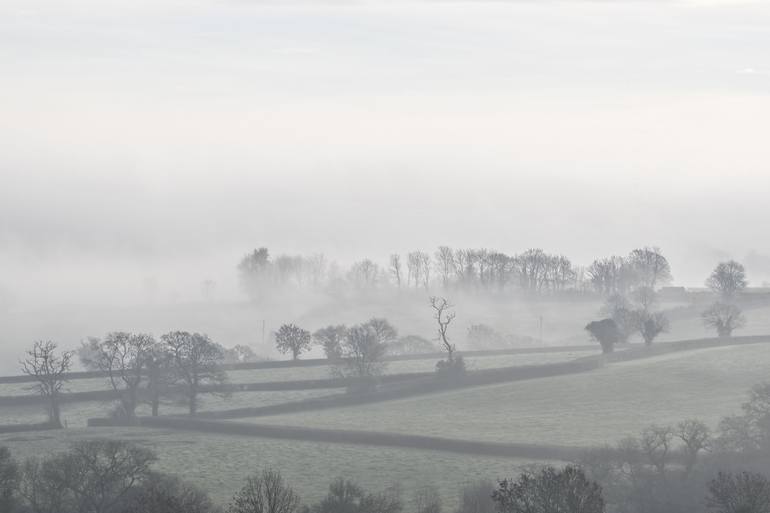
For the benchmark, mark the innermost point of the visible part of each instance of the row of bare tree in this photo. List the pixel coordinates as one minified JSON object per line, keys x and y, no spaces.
{"x":533,"y":271}
{"x":136,"y":366}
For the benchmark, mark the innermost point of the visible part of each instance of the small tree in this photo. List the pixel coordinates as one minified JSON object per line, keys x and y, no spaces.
{"x":49,"y":371}
{"x":265,"y":493}
{"x":724,"y":318}
{"x":330,"y":338}
{"x":549,"y":491}
{"x":196,"y":363}
{"x":292,"y":339}
{"x":651,"y":325}
{"x":386,"y":333}
{"x":362,"y":356}
{"x":739,"y":493}
{"x":655,"y":443}
{"x":728,"y":279}
{"x":619,"y":309}
{"x":123,"y":357}
{"x":605,"y":332}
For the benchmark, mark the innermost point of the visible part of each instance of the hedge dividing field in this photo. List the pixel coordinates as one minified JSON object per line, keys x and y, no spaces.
{"x":583,"y":409}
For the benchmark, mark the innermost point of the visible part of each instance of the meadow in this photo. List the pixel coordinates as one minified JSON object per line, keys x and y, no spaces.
{"x":586,"y":409}
{"x":76,"y":414}
{"x":219,"y":463}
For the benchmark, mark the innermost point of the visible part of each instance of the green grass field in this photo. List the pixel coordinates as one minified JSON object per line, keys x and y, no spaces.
{"x":220,"y":463}
{"x":585,"y":409}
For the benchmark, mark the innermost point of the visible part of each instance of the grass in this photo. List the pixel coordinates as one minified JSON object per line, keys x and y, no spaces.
{"x":324,"y":371}
{"x":76,"y":414}
{"x":220,"y":463}
{"x":586,"y":409}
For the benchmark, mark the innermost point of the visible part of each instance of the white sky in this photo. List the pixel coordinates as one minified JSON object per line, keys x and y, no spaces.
{"x":153,"y":138}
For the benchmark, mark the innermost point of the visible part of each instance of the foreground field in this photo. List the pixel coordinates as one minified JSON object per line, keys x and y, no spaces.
{"x":586,"y":409}
{"x":220,"y":463}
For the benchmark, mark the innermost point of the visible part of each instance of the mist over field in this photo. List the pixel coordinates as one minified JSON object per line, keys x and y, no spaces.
{"x":576,"y":189}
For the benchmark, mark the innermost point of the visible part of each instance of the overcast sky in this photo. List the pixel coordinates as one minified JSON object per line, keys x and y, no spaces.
{"x":154,"y":138}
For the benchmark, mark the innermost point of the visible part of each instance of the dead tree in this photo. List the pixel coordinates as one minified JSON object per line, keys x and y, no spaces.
{"x":49,"y":370}
{"x":443,"y":317}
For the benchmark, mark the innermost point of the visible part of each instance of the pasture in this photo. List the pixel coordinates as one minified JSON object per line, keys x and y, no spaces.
{"x":586,"y":409}
{"x":219,"y":463}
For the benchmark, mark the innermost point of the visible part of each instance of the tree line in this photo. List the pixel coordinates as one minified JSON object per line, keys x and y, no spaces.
{"x":183,"y":366}
{"x":632,"y":312}
{"x":533,"y":272}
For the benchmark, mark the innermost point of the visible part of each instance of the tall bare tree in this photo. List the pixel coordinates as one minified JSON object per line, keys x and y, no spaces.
{"x":395,"y":268}
{"x":444,"y":317}
{"x":444,"y":264}
{"x":123,"y":357}
{"x":651,"y":266}
{"x":50,"y":373}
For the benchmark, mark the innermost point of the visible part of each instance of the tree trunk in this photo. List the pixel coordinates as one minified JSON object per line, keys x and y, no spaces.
{"x":54,"y":415}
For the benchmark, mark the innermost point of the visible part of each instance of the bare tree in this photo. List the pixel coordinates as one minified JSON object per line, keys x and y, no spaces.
{"x":651,"y":325}
{"x":290,"y":338}
{"x":444,"y":317}
{"x":395,"y":268}
{"x":385,"y":331}
{"x":123,"y":357}
{"x":728,"y":279}
{"x":330,"y":338}
{"x":724,"y":318}
{"x":196,"y":363}
{"x":94,"y":476}
{"x":655,"y":443}
{"x":644,"y":297}
{"x":49,"y":371}
{"x":444,"y":264}
{"x":161,"y":375}
{"x":739,"y":493}
{"x":550,"y":490}
{"x":363,"y":353}
{"x":265,"y":493}
{"x":425,"y":264}
{"x":414,"y":268}
{"x":651,"y":266}
{"x":363,"y":274}
{"x":695,"y":437}
{"x":168,"y":494}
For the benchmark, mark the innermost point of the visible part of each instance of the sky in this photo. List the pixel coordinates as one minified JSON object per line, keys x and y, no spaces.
{"x":165,"y":139}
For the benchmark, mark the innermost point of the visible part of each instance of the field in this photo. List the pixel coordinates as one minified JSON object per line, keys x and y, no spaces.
{"x":220,"y":464}
{"x":585,"y":409}
{"x":76,"y":414}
